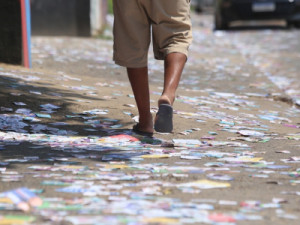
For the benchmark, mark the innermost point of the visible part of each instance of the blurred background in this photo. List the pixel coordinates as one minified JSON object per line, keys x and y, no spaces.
{"x":94,"y":18}
{"x":89,"y":17}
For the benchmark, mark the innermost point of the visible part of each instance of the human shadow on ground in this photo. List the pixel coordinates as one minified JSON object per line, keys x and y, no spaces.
{"x":16,"y":93}
{"x":14,"y":89}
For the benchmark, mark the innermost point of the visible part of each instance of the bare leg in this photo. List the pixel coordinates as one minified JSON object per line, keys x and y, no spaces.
{"x":174,"y":64}
{"x":138,"y":78}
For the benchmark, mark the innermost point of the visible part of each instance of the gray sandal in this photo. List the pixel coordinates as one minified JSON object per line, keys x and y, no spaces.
{"x":164,"y":119}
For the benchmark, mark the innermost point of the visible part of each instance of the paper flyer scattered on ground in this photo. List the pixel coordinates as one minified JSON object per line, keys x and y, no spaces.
{"x":205,"y":184}
{"x":179,"y":142}
{"x":66,"y":132}
{"x":155,"y":156}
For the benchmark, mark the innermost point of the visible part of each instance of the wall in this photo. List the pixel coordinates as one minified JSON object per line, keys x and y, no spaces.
{"x":68,"y":17}
{"x":10,"y":32}
{"x":61,"y":17}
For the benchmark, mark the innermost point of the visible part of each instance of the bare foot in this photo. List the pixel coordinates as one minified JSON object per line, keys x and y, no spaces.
{"x":146,"y":124}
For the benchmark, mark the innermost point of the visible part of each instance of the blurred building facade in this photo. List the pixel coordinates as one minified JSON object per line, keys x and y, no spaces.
{"x":68,"y":17}
{"x":10,"y":32}
{"x":15,"y":40}
{"x":202,"y":5}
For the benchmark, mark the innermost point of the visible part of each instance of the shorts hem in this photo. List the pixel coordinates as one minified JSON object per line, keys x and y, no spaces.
{"x":130,"y":65}
{"x":171,"y":50}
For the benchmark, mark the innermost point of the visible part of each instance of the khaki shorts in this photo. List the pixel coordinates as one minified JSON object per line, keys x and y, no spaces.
{"x":169,"y":21}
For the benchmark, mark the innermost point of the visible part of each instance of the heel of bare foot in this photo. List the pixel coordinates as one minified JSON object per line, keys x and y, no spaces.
{"x":165,"y":100}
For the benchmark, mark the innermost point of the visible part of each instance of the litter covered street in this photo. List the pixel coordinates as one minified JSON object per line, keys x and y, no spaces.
{"x":68,"y":154}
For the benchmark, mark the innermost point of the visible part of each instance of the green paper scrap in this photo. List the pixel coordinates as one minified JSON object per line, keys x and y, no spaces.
{"x":54,"y":183}
{"x":60,"y":207}
{"x":43,"y":115}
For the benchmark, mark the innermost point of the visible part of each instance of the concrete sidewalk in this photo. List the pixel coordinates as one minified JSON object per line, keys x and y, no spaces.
{"x":65,"y":134}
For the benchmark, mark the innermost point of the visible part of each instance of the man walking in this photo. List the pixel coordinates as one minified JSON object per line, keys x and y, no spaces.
{"x":169,"y":21}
